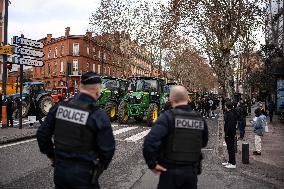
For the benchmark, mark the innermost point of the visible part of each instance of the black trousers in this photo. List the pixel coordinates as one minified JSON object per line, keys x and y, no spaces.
{"x":73,"y":176}
{"x":230,"y":141}
{"x":178,"y":179}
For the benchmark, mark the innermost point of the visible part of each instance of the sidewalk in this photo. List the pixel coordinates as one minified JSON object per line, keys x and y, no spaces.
{"x":270,"y":165}
{"x":8,"y":135}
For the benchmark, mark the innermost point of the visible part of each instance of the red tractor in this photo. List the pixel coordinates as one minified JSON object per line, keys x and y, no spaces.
{"x":59,"y":93}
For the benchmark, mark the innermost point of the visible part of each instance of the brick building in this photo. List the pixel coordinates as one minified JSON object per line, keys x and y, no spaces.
{"x":72,"y":55}
{"x":68,"y":57}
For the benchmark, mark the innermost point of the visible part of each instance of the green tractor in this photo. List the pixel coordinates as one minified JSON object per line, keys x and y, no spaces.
{"x":145,"y":99}
{"x":113,"y":90}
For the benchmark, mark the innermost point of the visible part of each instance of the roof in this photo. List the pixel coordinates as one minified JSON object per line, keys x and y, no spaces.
{"x":145,"y":77}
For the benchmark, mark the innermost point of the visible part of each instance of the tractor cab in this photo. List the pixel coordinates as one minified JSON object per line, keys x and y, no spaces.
{"x":143,"y":99}
{"x":113,"y":90}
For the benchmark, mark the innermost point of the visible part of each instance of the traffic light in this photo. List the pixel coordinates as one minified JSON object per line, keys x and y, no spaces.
{"x":9,"y":66}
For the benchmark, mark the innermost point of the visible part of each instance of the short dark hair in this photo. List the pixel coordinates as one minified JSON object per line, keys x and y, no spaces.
{"x":257,"y":112}
{"x":229,"y":105}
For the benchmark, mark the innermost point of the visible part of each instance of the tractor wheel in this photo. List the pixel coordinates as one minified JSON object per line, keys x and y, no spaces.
{"x":138,"y":119}
{"x":45,"y":103}
{"x":153,"y":114}
{"x":25,"y":110}
{"x":122,"y":113}
{"x":111,"y":110}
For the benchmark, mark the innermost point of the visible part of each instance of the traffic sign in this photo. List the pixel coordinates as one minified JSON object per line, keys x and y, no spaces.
{"x":28,"y":51}
{"x":6,"y":49}
{"x":28,"y":42}
{"x":28,"y":61}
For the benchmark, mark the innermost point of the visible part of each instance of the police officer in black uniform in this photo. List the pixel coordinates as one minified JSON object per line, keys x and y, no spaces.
{"x":172,"y":149}
{"x":83,"y":139}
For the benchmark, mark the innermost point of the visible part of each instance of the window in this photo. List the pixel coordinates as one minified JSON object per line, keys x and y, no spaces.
{"x":104,"y":56}
{"x":61,"y":67}
{"x":88,"y":50}
{"x":94,"y":67}
{"x":49,"y":53}
{"x":55,"y":52}
{"x":48,"y":69}
{"x":99,"y":54}
{"x":75,"y":65}
{"x":108,"y":70}
{"x":62,"y":50}
{"x":99,"y":69}
{"x":76,"y":49}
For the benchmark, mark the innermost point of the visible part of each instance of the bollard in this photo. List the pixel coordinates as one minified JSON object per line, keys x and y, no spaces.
{"x":245,"y":153}
{"x":4,"y":117}
{"x":236,"y":144}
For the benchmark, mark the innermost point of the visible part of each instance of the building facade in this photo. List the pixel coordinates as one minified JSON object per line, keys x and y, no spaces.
{"x":68,"y":57}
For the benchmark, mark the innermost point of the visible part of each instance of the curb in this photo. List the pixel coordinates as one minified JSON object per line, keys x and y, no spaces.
{"x":17,"y":139}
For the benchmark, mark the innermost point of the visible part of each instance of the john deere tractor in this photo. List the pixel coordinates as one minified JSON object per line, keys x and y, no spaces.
{"x":145,"y":99}
{"x":113,"y":90}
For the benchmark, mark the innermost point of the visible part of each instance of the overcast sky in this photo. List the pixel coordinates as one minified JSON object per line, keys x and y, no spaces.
{"x":36,"y":18}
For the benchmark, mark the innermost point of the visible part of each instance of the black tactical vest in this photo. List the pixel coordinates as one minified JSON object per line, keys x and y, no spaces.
{"x":184,"y":143}
{"x":71,"y":133}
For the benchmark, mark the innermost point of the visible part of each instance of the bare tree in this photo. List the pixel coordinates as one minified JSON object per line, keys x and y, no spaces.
{"x":216,"y":25}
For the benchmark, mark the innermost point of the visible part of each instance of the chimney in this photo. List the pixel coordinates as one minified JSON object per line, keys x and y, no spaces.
{"x":48,"y":38}
{"x":143,"y":46}
{"x":67,"y":31}
{"x":89,"y":34}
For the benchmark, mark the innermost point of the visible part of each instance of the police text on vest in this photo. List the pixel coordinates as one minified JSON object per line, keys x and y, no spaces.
{"x":189,"y":123}
{"x":72,"y":115}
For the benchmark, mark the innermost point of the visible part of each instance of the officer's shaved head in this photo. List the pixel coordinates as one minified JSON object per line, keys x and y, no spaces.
{"x":178,"y":95}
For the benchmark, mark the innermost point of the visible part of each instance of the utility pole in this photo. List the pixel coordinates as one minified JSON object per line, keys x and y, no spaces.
{"x":4,"y":74}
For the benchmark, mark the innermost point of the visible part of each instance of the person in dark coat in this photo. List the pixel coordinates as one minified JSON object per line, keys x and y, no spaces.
{"x":77,"y":137}
{"x":9,"y":108}
{"x":241,"y":116}
{"x":271,"y":108}
{"x":230,"y":119}
{"x":172,"y":135}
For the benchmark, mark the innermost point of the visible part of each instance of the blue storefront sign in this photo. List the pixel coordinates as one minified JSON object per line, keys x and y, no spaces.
{"x":280,"y":93}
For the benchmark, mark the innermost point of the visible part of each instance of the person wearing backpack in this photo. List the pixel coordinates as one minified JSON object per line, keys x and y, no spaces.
{"x":258,"y":129}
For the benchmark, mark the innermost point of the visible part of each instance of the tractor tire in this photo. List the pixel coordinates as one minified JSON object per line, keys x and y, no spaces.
{"x":45,"y":103}
{"x":138,"y":119}
{"x":111,"y":110}
{"x":122,"y":113}
{"x":153,"y":114}
{"x":25,"y":110}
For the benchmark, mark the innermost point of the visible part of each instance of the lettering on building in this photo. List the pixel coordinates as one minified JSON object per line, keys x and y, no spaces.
{"x":72,"y":115}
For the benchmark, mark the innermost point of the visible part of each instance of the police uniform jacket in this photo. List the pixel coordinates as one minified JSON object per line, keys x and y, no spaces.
{"x":157,"y":136}
{"x":98,"y":122}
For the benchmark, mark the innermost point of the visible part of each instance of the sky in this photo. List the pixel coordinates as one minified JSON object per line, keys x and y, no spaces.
{"x":36,"y":18}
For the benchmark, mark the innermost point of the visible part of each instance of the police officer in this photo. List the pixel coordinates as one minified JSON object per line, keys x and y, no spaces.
{"x":172,"y":149}
{"x":83,"y":139}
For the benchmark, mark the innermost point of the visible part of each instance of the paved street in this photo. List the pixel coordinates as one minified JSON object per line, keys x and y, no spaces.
{"x":22,"y":166}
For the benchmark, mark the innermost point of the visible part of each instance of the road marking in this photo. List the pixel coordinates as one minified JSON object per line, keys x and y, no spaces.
{"x":16,"y":143}
{"x":138,"y":136}
{"x":207,"y":149}
{"x":119,"y":131}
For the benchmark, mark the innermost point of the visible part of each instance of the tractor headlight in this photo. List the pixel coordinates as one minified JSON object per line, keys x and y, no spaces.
{"x":138,"y":97}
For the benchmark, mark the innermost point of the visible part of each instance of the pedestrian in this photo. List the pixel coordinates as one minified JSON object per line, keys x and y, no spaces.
{"x":241,"y":118}
{"x":9,"y":108}
{"x":230,"y":119}
{"x":83,"y":139}
{"x":172,"y":149}
{"x":271,"y":108}
{"x":258,"y":129}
